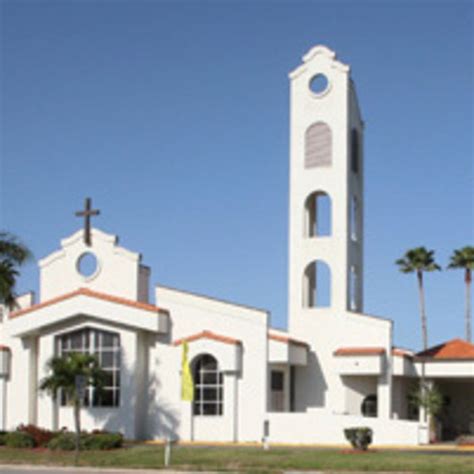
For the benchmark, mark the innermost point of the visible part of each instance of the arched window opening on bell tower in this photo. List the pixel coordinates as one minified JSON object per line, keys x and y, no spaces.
{"x":317,"y":285}
{"x":318,"y":215}
{"x":355,"y":151}
{"x":353,"y":289}
{"x":354,"y":218}
{"x":318,"y":145}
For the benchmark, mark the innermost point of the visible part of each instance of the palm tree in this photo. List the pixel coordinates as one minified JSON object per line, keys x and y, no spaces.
{"x":71,"y":374}
{"x":419,"y":260}
{"x":464,"y":258}
{"x":12,"y":254}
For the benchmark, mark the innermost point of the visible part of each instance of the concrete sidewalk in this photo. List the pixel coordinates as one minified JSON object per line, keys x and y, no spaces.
{"x":17,"y":469}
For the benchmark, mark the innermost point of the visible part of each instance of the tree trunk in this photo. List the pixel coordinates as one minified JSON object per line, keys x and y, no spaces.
{"x":468,"y":305}
{"x":424,"y":326}
{"x":77,"y":423}
{"x":424,"y":331}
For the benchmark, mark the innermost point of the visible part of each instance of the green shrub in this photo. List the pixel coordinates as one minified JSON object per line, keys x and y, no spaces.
{"x":103,"y":441}
{"x":66,"y":441}
{"x":19,"y":439}
{"x":40,"y":436}
{"x":3,"y":436}
{"x":360,"y":437}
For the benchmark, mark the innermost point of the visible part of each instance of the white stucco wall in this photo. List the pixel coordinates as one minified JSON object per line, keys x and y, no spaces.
{"x":118,"y":273}
{"x":247,"y":390}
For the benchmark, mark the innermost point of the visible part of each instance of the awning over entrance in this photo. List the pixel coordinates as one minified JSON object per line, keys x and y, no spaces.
{"x":452,"y":359}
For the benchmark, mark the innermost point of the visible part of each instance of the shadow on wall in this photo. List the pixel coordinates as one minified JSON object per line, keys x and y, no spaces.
{"x":311,"y":385}
{"x":143,"y":409}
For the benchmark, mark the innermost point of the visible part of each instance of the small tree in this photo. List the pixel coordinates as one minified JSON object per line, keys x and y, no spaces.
{"x":13,"y":254}
{"x":464,"y":259}
{"x":430,"y":399}
{"x":70,"y":374}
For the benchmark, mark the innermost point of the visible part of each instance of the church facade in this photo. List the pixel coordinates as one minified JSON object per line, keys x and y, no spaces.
{"x":334,"y":368}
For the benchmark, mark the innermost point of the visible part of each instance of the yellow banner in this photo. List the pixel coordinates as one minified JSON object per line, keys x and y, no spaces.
{"x":187,"y":386}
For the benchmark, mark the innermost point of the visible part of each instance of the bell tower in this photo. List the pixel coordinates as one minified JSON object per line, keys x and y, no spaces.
{"x":326,"y":191}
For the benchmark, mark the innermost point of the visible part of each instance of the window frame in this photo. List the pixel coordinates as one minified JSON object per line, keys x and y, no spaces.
{"x":208,"y":386}
{"x":91,"y":341}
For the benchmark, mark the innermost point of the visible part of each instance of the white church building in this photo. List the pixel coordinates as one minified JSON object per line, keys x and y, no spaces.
{"x":335,"y":368}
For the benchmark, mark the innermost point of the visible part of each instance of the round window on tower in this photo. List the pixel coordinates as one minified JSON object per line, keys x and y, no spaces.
{"x":87,"y":265}
{"x":319,"y":84}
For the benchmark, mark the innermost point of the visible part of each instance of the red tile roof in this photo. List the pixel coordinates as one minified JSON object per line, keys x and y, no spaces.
{"x":286,"y":339}
{"x":456,"y":349}
{"x":93,"y":294}
{"x":4,"y":348}
{"x":208,"y":335}
{"x":359,"y":351}
{"x":397,"y":351}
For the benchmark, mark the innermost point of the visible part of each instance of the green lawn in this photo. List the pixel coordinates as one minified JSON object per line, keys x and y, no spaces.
{"x":248,"y":459}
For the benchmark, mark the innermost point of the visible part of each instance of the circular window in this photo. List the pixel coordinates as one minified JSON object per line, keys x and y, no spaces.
{"x":319,"y":83}
{"x":87,"y":264}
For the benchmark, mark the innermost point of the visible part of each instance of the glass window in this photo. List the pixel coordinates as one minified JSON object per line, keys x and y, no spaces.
{"x":106,"y":347}
{"x":208,"y":387}
{"x":369,"y":406}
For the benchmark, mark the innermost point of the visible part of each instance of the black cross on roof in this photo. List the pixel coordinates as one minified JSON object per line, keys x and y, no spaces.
{"x":87,"y":213}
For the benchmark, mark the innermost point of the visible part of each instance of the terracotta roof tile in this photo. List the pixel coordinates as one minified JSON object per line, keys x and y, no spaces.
{"x":286,"y":339}
{"x":93,"y":294}
{"x":208,"y":335}
{"x":359,"y":351}
{"x":456,"y":349}
{"x":397,"y":351}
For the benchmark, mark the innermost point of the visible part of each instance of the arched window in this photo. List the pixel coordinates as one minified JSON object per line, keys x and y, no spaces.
{"x":106,"y":347}
{"x":369,"y":406}
{"x":208,"y":386}
{"x":354,"y":289}
{"x":355,"y":151}
{"x":318,"y":215}
{"x":354,"y":217}
{"x":318,"y":145}
{"x":317,"y":285}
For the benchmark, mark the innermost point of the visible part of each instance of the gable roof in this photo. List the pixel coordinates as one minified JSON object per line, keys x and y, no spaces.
{"x":93,"y":294}
{"x":208,"y":335}
{"x":456,"y":349}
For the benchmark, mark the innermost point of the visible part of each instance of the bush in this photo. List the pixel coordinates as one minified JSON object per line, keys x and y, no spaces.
{"x":66,"y":441}
{"x":19,"y":439}
{"x":3,"y":440}
{"x":40,"y":436}
{"x":103,"y":441}
{"x":359,"y":437}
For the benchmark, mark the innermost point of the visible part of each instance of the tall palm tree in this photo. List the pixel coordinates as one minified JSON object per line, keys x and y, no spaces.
{"x":464,"y":259}
{"x":419,"y":260}
{"x":71,"y":374}
{"x":13,"y":254}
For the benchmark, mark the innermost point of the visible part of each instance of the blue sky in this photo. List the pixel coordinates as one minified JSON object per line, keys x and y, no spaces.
{"x":173,"y":116}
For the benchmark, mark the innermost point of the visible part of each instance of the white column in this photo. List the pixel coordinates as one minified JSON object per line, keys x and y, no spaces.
{"x":3,"y":402}
{"x":384,"y":391}
{"x":32,"y":380}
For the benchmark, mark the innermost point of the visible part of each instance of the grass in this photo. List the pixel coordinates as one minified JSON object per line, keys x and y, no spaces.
{"x":248,"y":459}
